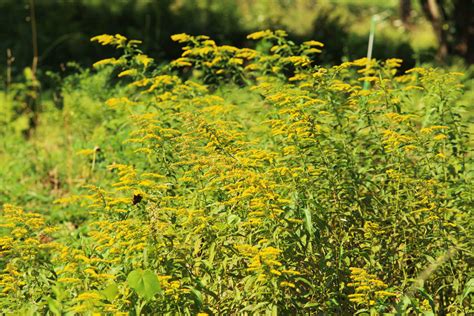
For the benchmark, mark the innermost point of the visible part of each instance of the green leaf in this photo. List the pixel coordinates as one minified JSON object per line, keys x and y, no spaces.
{"x":54,"y":306}
{"x":233,"y":219}
{"x":254,"y":308}
{"x":197,"y":295}
{"x":144,"y":283}
{"x":274,"y":310}
{"x":58,"y":292}
{"x":468,"y":288}
{"x":212,"y":252}
{"x":249,"y":282}
{"x":311,"y":304}
{"x":308,"y":222}
{"x":110,"y":292}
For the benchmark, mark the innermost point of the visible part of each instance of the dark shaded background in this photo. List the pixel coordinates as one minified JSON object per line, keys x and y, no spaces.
{"x":65,"y":27}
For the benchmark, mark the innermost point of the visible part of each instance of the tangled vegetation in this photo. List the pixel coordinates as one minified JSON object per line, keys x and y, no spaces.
{"x":241,"y":181}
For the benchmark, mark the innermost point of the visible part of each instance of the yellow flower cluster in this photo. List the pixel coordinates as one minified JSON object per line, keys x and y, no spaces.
{"x":368,"y":288}
{"x":114,"y":40}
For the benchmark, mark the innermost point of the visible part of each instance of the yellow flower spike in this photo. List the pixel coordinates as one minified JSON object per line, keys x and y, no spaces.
{"x":287,"y":284}
{"x":291,"y":272}
{"x":82,"y":258}
{"x":88,"y":296}
{"x":181,"y":62}
{"x":313,"y":43}
{"x":281,"y":33}
{"x":182,"y":37}
{"x":103,"y":39}
{"x":68,"y":280}
{"x":440,"y":137}
{"x":104,"y":62}
{"x":393,"y":62}
{"x":369,"y":79}
{"x":115,"y":102}
{"x":144,"y":60}
{"x":269,"y":251}
{"x":90,"y":271}
{"x":384,"y":294}
{"x":408,"y":88}
{"x":129,"y":72}
{"x":120,"y":39}
{"x":298,"y":60}
{"x":367,"y":287}
{"x":362,"y":62}
{"x":235,"y":61}
{"x":260,"y":35}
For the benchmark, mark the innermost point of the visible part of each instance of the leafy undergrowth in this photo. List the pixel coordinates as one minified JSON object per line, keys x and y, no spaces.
{"x":255,"y":182}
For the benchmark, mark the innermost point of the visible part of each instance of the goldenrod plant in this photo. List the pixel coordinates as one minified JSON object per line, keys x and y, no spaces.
{"x":259,"y":182}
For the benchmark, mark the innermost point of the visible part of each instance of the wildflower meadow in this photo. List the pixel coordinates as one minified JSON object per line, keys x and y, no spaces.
{"x":238,"y":181}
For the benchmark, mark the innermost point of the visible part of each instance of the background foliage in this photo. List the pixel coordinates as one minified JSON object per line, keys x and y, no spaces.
{"x":342,"y":25}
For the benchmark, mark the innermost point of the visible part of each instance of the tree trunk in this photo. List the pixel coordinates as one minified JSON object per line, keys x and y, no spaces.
{"x":433,"y":12}
{"x":464,"y":25}
{"x":405,"y":12}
